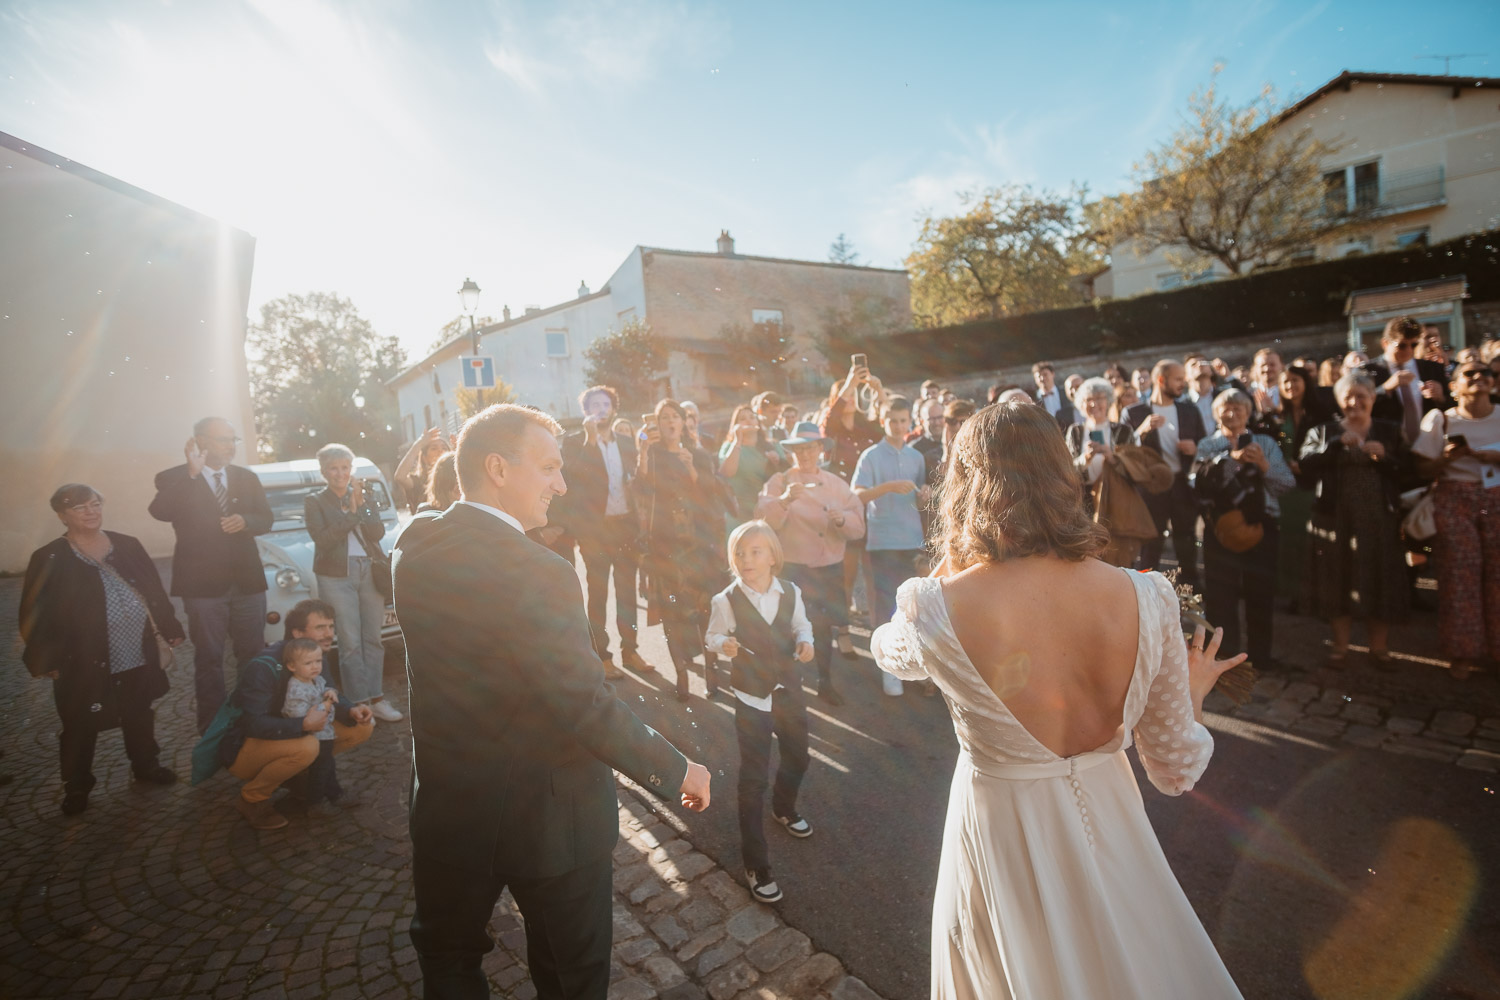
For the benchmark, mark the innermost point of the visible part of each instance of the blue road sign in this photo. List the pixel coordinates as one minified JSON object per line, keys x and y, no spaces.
{"x":479,"y":373}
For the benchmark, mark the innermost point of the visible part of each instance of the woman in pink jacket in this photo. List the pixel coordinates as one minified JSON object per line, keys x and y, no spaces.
{"x":815,"y":513}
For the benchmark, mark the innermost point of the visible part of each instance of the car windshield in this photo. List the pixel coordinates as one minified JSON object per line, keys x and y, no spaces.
{"x":286,"y":504}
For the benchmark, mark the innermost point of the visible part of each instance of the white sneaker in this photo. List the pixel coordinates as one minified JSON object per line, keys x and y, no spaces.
{"x":386,"y":712}
{"x":761,"y":887}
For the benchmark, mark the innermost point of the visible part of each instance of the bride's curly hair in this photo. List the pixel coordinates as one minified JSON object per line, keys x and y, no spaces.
{"x":1011,"y":490}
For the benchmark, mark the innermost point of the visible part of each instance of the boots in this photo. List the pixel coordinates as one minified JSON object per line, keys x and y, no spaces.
{"x":260,"y":815}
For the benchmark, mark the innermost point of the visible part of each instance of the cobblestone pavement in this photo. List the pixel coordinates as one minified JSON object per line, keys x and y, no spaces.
{"x":166,"y":892}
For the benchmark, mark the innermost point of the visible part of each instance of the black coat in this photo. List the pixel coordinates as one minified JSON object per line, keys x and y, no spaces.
{"x":514,"y":728}
{"x":328,"y":524}
{"x":1066,"y":415}
{"x":63,"y":621}
{"x":1319,"y":460}
{"x":1189,"y":427}
{"x":207,"y":562}
{"x":580,"y":511}
{"x":1388,"y":404}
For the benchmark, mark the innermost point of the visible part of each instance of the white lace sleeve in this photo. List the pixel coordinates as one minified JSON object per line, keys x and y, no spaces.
{"x":896,"y":646}
{"x":1174,"y":747}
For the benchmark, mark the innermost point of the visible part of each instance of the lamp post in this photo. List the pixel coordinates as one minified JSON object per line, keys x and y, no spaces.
{"x":468,"y":294}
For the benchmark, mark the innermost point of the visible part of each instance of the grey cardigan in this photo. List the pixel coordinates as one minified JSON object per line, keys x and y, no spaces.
{"x":329,"y":525}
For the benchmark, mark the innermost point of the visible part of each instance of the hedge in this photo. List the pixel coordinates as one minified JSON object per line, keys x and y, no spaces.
{"x":1265,"y":302}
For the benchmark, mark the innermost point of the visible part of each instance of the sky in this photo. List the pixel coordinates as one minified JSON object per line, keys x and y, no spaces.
{"x":388,"y":149}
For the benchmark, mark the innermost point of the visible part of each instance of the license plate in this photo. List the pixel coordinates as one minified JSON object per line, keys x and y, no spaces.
{"x":390,"y":617}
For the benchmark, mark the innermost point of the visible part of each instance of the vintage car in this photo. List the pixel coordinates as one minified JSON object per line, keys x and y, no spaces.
{"x":286,"y":551}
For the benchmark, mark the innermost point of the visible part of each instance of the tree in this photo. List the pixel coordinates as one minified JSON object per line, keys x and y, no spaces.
{"x":841,"y":251}
{"x":632,"y":361}
{"x":470,"y":402}
{"x":762,"y":351}
{"x":317,"y":374}
{"x":1011,"y":251}
{"x":1232,"y":185}
{"x":845,"y":331}
{"x":455,"y":326}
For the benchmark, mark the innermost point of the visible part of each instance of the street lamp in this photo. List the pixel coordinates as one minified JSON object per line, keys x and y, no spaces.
{"x":468,"y":294}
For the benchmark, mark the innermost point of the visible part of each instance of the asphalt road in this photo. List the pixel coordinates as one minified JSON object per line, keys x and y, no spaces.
{"x":1320,"y":872}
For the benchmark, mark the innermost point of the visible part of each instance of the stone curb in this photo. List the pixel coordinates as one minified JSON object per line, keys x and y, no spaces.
{"x":1334,"y":714}
{"x":684,"y":928}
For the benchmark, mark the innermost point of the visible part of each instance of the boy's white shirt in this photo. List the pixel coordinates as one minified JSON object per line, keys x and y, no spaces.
{"x":721,"y":625}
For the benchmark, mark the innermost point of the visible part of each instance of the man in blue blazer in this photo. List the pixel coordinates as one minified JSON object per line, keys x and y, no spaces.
{"x":216,"y":510}
{"x":1171,"y":427}
{"x":514,"y":728}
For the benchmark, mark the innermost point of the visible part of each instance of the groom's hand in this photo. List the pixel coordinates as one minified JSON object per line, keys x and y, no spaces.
{"x":695,"y":788}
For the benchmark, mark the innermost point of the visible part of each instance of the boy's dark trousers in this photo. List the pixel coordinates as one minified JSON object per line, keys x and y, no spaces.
{"x":753,"y":728}
{"x":322,"y":779}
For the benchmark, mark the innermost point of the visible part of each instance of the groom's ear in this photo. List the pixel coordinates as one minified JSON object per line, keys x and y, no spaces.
{"x":495,"y":468}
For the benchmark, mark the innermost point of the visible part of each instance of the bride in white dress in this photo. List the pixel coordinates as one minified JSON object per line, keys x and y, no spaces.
{"x":1052,"y":885}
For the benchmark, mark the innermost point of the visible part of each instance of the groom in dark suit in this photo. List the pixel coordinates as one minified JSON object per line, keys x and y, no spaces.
{"x":514,"y":728}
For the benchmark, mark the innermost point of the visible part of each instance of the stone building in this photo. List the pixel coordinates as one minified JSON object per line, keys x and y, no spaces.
{"x":1418,"y":155}
{"x":687,"y":297}
{"x":122,"y":320}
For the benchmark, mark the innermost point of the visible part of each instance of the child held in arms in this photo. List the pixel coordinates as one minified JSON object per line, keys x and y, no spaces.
{"x":760,"y":624}
{"x":306,"y":690}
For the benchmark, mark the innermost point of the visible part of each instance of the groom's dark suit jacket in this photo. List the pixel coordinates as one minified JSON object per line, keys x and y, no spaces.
{"x":514,"y":729}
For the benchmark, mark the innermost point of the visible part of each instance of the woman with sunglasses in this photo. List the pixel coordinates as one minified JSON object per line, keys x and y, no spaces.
{"x":1460,"y":448}
{"x":92,"y":609}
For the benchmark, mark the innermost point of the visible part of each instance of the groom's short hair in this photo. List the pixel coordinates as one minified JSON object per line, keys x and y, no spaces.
{"x":495,"y":430}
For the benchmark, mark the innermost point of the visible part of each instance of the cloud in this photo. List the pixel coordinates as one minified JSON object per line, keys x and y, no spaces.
{"x":601,"y":44}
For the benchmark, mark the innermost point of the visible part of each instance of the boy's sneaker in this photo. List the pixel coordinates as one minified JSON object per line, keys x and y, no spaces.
{"x":795,"y":825}
{"x":761,"y":886}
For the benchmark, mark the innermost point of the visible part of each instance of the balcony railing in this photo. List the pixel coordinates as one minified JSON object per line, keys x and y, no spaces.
{"x":1412,"y":187}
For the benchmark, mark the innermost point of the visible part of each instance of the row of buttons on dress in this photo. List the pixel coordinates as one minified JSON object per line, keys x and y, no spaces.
{"x":1083,"y":810}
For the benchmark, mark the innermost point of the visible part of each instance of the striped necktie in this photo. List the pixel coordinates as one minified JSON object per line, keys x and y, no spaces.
{"x":221,"y":492}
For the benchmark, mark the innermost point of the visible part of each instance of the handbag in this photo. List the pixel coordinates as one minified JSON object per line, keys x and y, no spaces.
{"x":1145,"y":468}
{"x":380,"y":566}
{"x":1420,"y":522}
{"x":1119,"y":506}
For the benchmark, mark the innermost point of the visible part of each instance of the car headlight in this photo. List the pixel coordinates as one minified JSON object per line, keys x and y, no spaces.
{"x":288,"y":578}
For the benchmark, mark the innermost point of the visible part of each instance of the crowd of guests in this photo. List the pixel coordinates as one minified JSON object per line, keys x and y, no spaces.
{"x":1297,"y":476}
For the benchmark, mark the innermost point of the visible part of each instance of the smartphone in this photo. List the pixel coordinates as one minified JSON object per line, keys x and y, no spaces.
{"x":1245,"y":441}
{"x":1096,"y":436}
{"x":1458,"y":439}
{"x":859,"y":360}
{"x":648,"y":418}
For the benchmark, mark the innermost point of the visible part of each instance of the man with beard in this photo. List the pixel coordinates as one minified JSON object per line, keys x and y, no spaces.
{"x":1172,"y":427}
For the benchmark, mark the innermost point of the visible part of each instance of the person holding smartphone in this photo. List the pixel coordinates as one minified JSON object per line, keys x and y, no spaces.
{"x":1096,"y":437}
{"x":1460,"y":448}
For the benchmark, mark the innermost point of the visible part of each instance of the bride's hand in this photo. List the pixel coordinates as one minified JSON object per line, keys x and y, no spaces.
{"x":1203,"y":670}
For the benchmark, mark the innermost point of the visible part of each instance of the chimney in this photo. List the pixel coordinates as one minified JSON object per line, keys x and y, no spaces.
{"x":506,"y":313}
{"x":532,"y":310}
{"x":583,"y":289}
{"x":726,"y":243}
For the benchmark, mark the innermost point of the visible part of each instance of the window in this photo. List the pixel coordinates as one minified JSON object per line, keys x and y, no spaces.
{"x":443,"y":414}
{"x":625,"y":315}
{"x":426,"y":417}
{"x":1412,"y":238}
{"x":1169,"y":280}
{"x":765,"y":316}
{"x":437,"y":385}
{"x":557,"y":343}
{"x":409,"y":427}
{"x":1353,"y":188}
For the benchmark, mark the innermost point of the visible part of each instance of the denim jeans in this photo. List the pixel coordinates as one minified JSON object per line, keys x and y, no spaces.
{"x":753,"y":728}
{"x":213,"y":621}
{"x":890,"y":568}
{"x":358,"y":615}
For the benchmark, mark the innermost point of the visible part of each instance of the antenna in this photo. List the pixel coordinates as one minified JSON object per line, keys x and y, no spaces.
{"x":1453,"y":55}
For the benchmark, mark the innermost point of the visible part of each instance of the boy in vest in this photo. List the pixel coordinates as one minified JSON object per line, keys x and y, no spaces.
{"x":760,"y":625}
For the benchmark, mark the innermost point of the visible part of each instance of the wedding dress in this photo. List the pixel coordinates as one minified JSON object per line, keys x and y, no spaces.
{"x":1052,"y":885}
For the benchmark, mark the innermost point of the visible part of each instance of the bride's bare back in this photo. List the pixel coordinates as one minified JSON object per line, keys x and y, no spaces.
{"x":1055,"y":640}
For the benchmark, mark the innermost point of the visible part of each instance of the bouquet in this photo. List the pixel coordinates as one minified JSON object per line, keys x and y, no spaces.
{"x":1235,"y":684}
